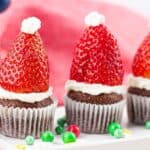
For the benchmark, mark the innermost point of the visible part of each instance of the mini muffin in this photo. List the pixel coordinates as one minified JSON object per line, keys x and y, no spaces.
{"x":94,"y":91}
{"x":27,"y":106}
{"x":139,"y":85}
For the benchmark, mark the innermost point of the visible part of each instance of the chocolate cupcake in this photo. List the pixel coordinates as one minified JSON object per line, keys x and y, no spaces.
{"x":27,"y":106}
{"x":94,"y":96}
{"x":139,"y":85}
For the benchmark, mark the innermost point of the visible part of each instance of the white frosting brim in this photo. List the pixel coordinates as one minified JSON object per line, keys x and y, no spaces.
{"x":93,"y":89}
{"x":25,"y":97}
{"x":139,"y":82}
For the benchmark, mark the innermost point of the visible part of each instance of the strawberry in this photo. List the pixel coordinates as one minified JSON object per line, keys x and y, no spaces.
{"x":25,"y":68}
{"x":141,"y":62}
{"x":97,"y":58}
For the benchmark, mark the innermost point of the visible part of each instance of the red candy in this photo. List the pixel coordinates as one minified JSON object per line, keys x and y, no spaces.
{"x":75,"y":129}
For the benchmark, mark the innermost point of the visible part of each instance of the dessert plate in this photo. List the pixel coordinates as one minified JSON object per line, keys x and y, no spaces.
{"x":138,"y":139}
{"x":62,"y":26}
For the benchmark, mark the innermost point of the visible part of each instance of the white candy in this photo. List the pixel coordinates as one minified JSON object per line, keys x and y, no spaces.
{"x":30,"y":25}
{"x":94,"y":19}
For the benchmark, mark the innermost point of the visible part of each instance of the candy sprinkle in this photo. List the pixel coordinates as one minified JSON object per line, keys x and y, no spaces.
{"x":29,"y":140}
{"x":21,"y":147}
{"x":147,"y":124}
{"x":74,"y":129}
{"x":47,"y":136}
{"x":68,"y":137}
{"x":127,"y":131}
{"x":4,"y":5}
{"x":118,"y":133}
{"x":59,"y":130}
{"x":112,"y":127}
{"x":61,"y":121}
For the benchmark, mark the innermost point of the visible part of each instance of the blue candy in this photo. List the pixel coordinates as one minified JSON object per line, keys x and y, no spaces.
{"x":4,"y":5}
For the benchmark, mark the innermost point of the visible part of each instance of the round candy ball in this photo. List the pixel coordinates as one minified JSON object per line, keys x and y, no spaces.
{"x":59,"y":130}
{"x":147,"y":124}
{"x":61,"y":121}
{"x":75,"y":129}
{"x":4,"y":5}
{"x":47,"y":136}
{"x":118,"y":133}
{"x":112,"y":127}
{"x":68,"y":137}
{"x":29,"y":140}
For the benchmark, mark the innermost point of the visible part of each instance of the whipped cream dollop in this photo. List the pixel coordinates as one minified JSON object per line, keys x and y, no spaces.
{"x":25,"y":97}
{"x":93,"y":89}
{"x":30,"y":25}
{"x":94,"y":19}
{"x":139,"y":82}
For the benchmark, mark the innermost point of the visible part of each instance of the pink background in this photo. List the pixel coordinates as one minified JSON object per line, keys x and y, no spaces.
{"x":62,"y":25}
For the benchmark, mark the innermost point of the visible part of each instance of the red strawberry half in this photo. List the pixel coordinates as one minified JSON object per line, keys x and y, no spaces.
{"x":97,"y":58}
{"x":141,"y":62}
{"x":25,"y":68}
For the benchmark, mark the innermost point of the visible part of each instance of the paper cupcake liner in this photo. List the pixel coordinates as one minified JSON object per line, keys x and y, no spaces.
{"x":138,"y":108}
{"x":92,"y":118}
{"x":20,"y":122}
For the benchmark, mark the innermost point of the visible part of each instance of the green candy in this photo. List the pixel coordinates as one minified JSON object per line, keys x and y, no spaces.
{"x":61,"y":121}
{"x":47,"y":136}
{"x":112,"y":127}
{"x":147,"y":124}
{"x":68,"y":137}
{"x":118,"y":133}
{"x":59,"y":130}
{"x":29,"y":140}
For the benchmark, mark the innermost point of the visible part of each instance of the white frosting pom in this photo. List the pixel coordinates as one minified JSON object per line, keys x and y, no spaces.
{"x":94,"y":19}
{"x":30,"y":25}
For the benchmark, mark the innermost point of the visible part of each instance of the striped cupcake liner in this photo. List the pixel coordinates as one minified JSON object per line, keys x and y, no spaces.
{"x":138,"y":108}
{"x":92,"y":118}
{"x":20,"y":122}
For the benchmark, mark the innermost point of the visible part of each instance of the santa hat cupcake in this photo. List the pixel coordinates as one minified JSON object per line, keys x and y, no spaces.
{"x":95,"y":92}
{"x":26,"y":103}
{"x":139,"y":85}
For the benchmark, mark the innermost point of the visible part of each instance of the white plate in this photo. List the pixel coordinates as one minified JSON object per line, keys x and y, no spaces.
{"x":139,"y":139}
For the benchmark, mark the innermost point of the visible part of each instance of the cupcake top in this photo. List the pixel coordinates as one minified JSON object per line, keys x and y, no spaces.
{"x":97,"y":66}
{"x":140,"y":77}
{"x":24,"y":73}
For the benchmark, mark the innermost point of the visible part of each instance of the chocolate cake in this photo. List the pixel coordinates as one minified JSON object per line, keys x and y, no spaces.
{"x":102,"y":99}
{"x":17,"y":103}
{"x":138,"y":91}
